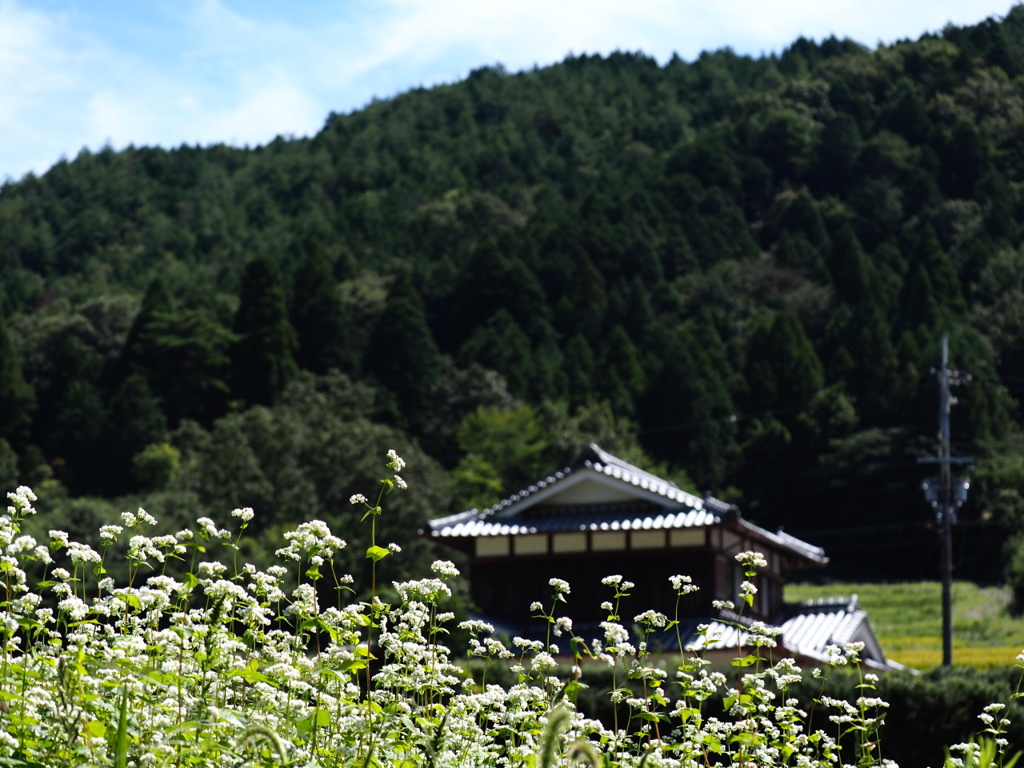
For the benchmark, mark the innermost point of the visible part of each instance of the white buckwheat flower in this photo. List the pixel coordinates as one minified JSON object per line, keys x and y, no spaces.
{"x":396,"y":462}
{"x":245,"y":514}
{"x":682,"y":584}
{"x":561,"y":586}
{"x":444,"y":568}
{"x":83,"y":553}
{"x":653,"y":618}
{"x":752,"y":559}
{"x":144,"y":516}
{"x":109,"y":533}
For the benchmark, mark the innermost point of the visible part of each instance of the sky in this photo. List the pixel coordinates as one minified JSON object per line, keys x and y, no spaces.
{"x":88,"y":73}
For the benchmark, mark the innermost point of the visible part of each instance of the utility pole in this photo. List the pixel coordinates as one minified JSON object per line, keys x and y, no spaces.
{"x":946,"y":484}
{"x":946,"y":497}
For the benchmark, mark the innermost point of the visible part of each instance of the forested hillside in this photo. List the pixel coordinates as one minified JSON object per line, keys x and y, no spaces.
{"x":738,"y":270}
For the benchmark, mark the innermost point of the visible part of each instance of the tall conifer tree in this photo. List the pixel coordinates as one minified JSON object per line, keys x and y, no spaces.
{"x":17,"y":400}
{"x":404,"y":359}
{"x":849,"y":267}
{"x":136,"y":355}
{"x":501,"y":345}
{"x":783,"y":370}
{"x":325,"y":340}
{"x":262,"y":359}
{"x":135,"y":421}
{"x":687,"y":417}
{"x":945,"y":283}
{"x":622,"y":378}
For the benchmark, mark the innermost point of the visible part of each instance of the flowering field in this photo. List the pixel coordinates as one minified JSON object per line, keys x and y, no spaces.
{"x":199,"y":660}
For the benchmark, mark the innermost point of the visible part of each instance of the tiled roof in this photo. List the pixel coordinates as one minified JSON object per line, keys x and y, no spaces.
{"x":829,"y":622}
{"x":659,"y":505}
{"x":786,"y":541}
{"x":590,"y":518}
{"x":592,"y":457}
{"x":808,"y":629}
{"x":498,"y":519}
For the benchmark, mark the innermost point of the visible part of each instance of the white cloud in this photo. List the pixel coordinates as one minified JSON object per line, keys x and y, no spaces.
{"x":33,"y":67}
{"x":543,"y":31}
{"x":866,"y":21}
{"x":264,"y":114}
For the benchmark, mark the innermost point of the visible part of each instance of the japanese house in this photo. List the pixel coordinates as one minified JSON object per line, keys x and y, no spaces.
{"x":602,"y":516}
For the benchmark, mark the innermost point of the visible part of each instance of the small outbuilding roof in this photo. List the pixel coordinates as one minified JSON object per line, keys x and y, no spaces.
{"x":807,"y":629}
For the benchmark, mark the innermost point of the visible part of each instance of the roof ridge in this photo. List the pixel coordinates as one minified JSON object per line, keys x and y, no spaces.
{"x":529,"y":490}
{"x":851,"y":603}
{"x":594,"y":452}
{"x":595,"y":457}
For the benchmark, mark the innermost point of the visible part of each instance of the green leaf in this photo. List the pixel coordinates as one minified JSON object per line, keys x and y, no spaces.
{"x":250,"y":675}
{"x":305,"y":725}
{"x":652,"y":717}
{"x":95,"y":729}
{"x":377,"y":553}
{"x":191,"y":580}
{"x":334,"y":673}
{"x":362,"y":650}
{"x":575,"y":643}
{"x":686,"y":714}
{"x":572,"y":688}
{"x":746,"y":661}
{"x":121,"y":738}
{"x":352,"y":665}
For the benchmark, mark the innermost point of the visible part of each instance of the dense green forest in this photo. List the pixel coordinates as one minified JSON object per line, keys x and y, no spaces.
{"x":734,"y":270}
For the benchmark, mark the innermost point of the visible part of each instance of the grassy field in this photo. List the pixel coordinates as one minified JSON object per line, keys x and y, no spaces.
{"x":907,"y":618}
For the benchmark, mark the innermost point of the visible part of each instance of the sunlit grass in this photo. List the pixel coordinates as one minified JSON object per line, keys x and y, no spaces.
{"x":979,"y":658}
{"x":907,"y":618}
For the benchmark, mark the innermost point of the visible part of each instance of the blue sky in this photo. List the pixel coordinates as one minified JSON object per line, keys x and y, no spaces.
{"x":84,"y":73}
